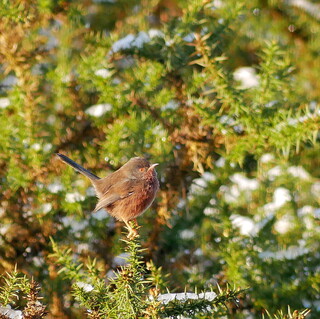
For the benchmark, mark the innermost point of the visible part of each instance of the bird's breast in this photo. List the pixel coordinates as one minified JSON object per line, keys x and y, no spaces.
{"x":134,"y":205}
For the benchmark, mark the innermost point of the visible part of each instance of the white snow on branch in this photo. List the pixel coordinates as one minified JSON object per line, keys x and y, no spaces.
{"x":187,"y":234}
{"x":299,"y":172}
{"x":271,"y":103}
{"x":198,"y":186}
{"x":280,"y":197}
{"x":247,"y":76}
{"x":184,"y":296}
{"x":309,"y":215}
{"x":301,"y":119}
{"x":12,"y":314}
{"x":309,"y":7}
{"x":98,"y":109}
{"x":4,"y":102}
{"x":231,"y":194}
{"x":36,"y":147}
{"x":217,"y":3}
{"x":91,"y":191}
{"x":244,"y":183}
{"x":171,"y":105}
{"x":135,"y":41}
{"x":246,"y":225}
{"x":274,"y":172}
{"x":124,"y":43}
{"x":74,"y":197}
{"x":266,"y":158}
{"x":315,"y":189}
{"x":46,"y":208}
{"x":221,"y":162}
{"x":104,"y":73}
{"x":284,"y":224}
{"x":86,"y":287}
{"x":242,"y":186}
{"x":55,"y":187}
{"x":76,"y":226}
{"x":290,"y":253}
{"x":155,"y":33}
{"x":189,"y":37}
{"x":211,"y":211}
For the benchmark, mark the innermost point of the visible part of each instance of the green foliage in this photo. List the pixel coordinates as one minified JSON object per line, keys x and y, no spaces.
{"x":13,"y":286}
{"x":11,"y":283}
{"x":134,"y":290}
{"x":224,"y":95}
{"x":291,"y":315}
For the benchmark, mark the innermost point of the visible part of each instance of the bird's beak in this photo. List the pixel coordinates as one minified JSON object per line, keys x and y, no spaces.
{"x":152,"y":166}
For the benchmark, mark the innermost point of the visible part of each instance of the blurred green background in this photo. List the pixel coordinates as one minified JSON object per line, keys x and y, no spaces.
{"x":223,"y":94}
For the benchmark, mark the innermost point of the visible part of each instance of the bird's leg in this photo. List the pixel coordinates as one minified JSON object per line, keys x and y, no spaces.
{"x":132,"y":231}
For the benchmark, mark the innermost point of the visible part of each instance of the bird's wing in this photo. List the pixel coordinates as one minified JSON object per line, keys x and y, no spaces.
{"x":116,"y":192}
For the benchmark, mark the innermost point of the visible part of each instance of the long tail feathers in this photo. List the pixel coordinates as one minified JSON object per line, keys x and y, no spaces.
{"x":77,"y":167}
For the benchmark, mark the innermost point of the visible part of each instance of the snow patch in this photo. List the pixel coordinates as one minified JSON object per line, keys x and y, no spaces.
{"x":46,"y":208}
{"x":246,"y":225}
{"x":171,"y":105}
{"x":311,"y":8}
{"x":210,"y":211}
{"x":283,"y":225}
{"x":4,"y":102}
{"x":36,"y":147}
{"x":281,"y":196}
{"x":291,"y":253}
{"x":12,"y":314}
{"x":104,"y":73}
{"x":299,"y":172}
{"x":315,"y":189}
{"x":131,"y":41}
{"x":187,"y":234}
{"x":75,"y":225}
{"x":98,"y":109}
{"x":155,"y":33}
{"x":166,"y":298}
{"x":266,"y":158}
{"x":86,"y":287}
{"x":244,"y":183}
{"x":274,"y":172}
{"x":90,"y":191}
{"x":247,"y":77}
{"x":74,"y":197}
{"x":55,"y":187}
{"x":221,"y":162}
{"x":231,"y":194}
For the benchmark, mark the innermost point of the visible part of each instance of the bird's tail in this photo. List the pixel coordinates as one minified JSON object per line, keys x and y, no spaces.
{"x":77,"y":167}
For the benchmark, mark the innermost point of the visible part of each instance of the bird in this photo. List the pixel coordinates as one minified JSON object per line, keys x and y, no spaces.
{"x":126,"y":193}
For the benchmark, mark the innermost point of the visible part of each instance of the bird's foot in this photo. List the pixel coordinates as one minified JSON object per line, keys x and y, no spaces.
{"x":133,"y":233}
{"x":132,"y":228}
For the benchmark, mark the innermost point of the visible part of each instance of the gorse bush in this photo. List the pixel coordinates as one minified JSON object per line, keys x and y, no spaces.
{"x":223,"y":95}
{"x":134,"y":290}
{"x":130,"y":293}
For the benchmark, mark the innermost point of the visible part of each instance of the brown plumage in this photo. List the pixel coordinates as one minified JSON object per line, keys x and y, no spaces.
{"x":126,"y":193}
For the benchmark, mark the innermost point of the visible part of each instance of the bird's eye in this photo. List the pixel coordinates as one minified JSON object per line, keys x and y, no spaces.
{"x":141,"y":169}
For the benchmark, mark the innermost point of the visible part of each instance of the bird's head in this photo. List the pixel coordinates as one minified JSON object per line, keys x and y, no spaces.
{"x":139,"y":167}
